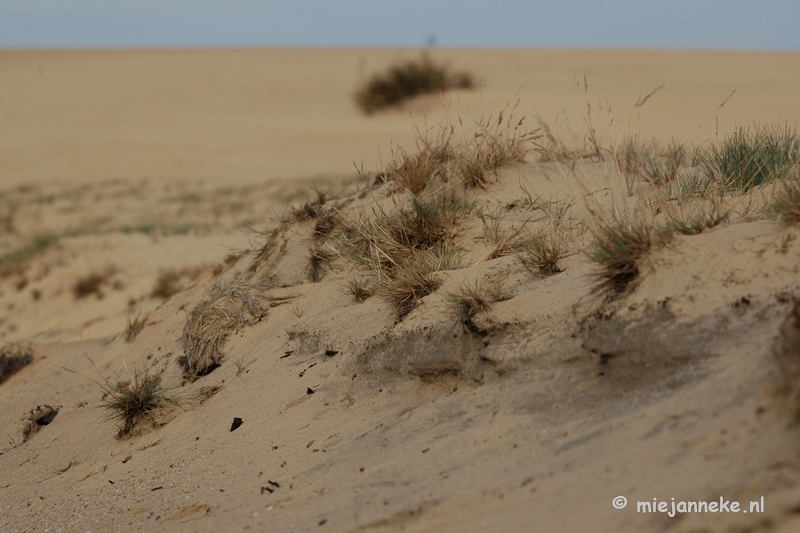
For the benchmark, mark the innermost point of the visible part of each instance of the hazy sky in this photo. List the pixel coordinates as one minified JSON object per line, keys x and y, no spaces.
{"x":731,"y":24}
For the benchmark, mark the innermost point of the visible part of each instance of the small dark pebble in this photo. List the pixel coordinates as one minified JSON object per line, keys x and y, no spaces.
{"x":310,"y":391}
{"x":267,"y":489}
{"x":331,"y":353}
{"x":236,"y":423}
{"x":323,"y":521}
{"x":287,"y":354}
{"x":274,"y":483}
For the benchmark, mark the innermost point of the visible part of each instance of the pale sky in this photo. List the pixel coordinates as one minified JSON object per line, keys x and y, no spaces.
{"x":716,"y":24}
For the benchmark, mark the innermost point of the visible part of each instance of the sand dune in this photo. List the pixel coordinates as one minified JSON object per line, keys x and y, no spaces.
{"x":151,"y":185}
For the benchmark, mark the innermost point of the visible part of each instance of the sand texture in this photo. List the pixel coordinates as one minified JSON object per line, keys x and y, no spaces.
{"x":209,"y":198}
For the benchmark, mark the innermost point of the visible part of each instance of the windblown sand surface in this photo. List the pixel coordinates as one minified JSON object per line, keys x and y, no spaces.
{"x":182,"y":166}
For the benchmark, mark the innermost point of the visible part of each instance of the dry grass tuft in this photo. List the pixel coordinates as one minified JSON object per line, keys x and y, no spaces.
{"x":542,"y":253}
{"x":133,"y":400}
{"x":786,"y":205}
{"x":496,"y":144}
{"x":471,"y":158}
{"x":693,"y":219}
{"x":229,"y":306}
{"x":405,"y":248}
{"x":406,"y":80}
{"x":14,"y":357}
{"x":471,"y":300}
{"x":411,"y":281}
{"x":360,"y":288}
{"x":93,"y":283}
{"x":319,"y":259}
{"x":386,"y":241}
{"x":619,"y":248}
{"x":750,"y":158}
{"x":174,"y":280}
{"x":134,"y":327}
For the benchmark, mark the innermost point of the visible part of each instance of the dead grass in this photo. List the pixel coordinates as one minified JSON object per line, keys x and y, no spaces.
{"x":360,"y":289}
{"x":229,"y":306}
{"x":411,"y":281}
{"x":618,"y":248}
{"x":695,"y":218}
{"x":496,"y":144}
{"x":451,"y":153}
{"x":93,"y":283}
{"x":136,"y":399}
{"x":786,"y":205}
{"x":134,"y":327}
{"x":386,"y":240}
{"x":751,"y":157}
{"x":471,"y":300}
{"x":14,"y":357}
{"x":406,"y":80}
{"x":542,"y":252}
{"x":318,"y":262}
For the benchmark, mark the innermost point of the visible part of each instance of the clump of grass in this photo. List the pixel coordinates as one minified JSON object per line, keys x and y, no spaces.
{"x":542,"y":252}
{"x":405,"y":248}
{"x":360,"y":288}
{"x":387,"y":240}
{"x":496,"y":144}
{"x":406,"y":80}
{"x":650,"y":161}
{"x":470,"y":300}
{"x":17,"y":261}
{"x":93,"y":283}
{"x":433,"y":157}
{"x":696,"y":218}
{"x":506,"y":242}
{"x":242,"y":364}
{"x":411,"y":281}
{"x":786,"y":205}
{"x":134,"y":327}
{"x":750,"y":158}
{"x":229,"y":306}
{"x":14,"y":357}
{"x":618,"y":248}
{"x":131,"y":401}
{"x":319,"y":259}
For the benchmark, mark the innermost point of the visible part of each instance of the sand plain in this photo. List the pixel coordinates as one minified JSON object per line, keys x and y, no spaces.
{"x":138,"y":163}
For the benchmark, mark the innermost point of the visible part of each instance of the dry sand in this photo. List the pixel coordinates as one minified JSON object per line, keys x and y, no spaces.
{"x":144,"y":162}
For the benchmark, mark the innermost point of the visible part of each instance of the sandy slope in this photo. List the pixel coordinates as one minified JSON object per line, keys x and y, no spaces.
{"x":568,"y":401}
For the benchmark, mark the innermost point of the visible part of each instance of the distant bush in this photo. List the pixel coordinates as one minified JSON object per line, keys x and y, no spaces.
{"x":405,"y":80}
